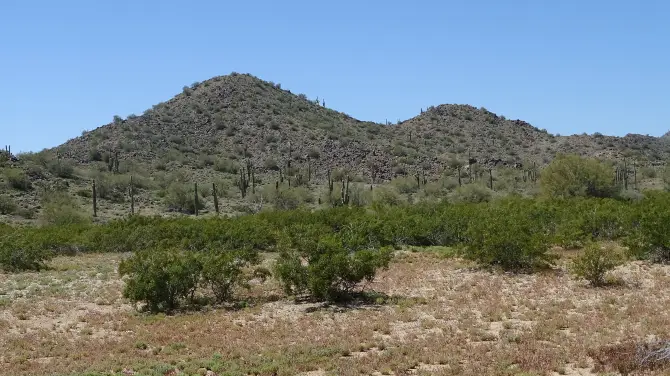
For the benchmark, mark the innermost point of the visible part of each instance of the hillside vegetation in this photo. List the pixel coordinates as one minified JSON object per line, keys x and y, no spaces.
{"x":258,"y":145}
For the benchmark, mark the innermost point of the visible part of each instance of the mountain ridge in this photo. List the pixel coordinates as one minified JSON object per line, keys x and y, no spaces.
{"x":240,"y":116}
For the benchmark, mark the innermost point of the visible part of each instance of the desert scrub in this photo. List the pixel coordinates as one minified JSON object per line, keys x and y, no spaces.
{"x":511,"y":235}
{"x":166,"y":277}
{"x":224,"y":271}
{"x":17,"y":179}
{"x":594,"y":263}
{"x":20,"y":253}
{"x":327,"y":267}
{"x":163,"y":278}
{"x":650,"y":236}
{"x":7,"y":205}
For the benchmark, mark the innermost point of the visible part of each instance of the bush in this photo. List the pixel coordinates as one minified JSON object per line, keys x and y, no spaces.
{"x":63,"y":168}
{"x":181,"y":197}
{"x":163,"y":278}
{"x":574,"y":176}
{"x":271,"y":164}
{"x":595,"y":262}
{"x":17,"y":179}
{"x":7,"y":205}
{"x":94,"y":155}
{"x":405,"y":185}
{"x":666,"y":177}
{"x":225,"y":165}
{"x":287,"y":198}
{"x":223,"y":271}
{"x":385,"y":196}
{"x":19,"y":253}
{"x":326,"y":267}
{"x":60,"y":209}
{"x":471,"y":193}
{"x":111,"y":187}
{"x":509,"y":235}
{"x":650,"y":238}
{"x":360,"y":195}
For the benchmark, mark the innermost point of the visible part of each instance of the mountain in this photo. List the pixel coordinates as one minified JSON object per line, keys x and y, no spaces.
{"x":228,"y":118}
{"x":211,"y":130}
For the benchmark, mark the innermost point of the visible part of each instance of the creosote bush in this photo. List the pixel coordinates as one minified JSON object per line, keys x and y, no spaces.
{"x":165,"y":277}
{"x":181,"y":197}
{"x":575,"y":176}
{"x":511,"y":235}
{"x":21,"y":253}
{"x":61,"y":209}
{"x":7,"y":205}
{"x":595,"y":261}
{"x":650,"y":235}
{"x":17,"y":179}
{"x":329,"y":267}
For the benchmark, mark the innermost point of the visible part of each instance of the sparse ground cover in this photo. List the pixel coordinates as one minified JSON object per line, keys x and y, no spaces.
{"x":430,"y":314}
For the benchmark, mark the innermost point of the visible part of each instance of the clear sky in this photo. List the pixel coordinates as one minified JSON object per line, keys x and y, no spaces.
{"x":569,"y":66}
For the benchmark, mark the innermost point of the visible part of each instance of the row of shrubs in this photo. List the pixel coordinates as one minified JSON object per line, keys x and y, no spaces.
{"x":328,"y":253}
{"x":514,"y":226}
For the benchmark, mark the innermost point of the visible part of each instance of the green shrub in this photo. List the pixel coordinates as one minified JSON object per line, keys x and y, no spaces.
{"x":63,"y":168}
{"x":405,"y":185}
{"x":223,"y":271}
{"x":111,"y":187}
{"x":574,"y":176}
{"x":327,"y":267}
{"x":386,"y":196}
{"x":648,"y":172}
{"x":360,"y":195}
{"x":471,"y":193}
{"x":509,"y":235}
{"x":181,"y":198}
{"x":7,"y":205}
{"x":288,"y":198}
{"x":650,"y":237}
{"x":20,"y":253}
{"x":163,"y":278}
{"x":595,"y":262}
{"x":60,"y":209}
{"x":17,"y":179}
{"x":271,"y":164}
{"x":666,"y":177}
{"x":225,"y":165}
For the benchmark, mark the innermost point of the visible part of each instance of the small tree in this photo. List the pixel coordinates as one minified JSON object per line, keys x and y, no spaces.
{"x":572,"y":176}
{"x":595,"y":262}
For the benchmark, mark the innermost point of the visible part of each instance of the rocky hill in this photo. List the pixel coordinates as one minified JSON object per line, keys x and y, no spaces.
{"x":212,"y":130}
{"x":227,"y":118}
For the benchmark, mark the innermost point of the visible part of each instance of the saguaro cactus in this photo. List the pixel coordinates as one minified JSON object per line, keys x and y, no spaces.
{"x":95,"y":200}
{"x":131,"y":191}
{"x":195,"y":198}
{"x":216,"y":198}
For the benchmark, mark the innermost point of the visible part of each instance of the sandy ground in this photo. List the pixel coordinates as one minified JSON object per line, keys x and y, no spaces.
{"x":435,"y":316}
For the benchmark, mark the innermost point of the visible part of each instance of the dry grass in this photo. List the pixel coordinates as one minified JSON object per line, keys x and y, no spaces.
{"x":443,"y":318}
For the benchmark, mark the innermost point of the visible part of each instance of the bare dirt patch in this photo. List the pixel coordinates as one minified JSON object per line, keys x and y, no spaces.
{"x":443,"y":318}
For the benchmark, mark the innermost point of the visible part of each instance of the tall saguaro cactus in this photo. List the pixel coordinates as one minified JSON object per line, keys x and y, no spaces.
{"x":131,"y":190}
{"x":95,"y":200}
{"x":195,"y":198}
{"x":216,"y":198}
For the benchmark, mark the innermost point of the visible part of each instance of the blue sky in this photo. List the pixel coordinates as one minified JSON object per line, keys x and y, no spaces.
{"x":568,"y":66}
